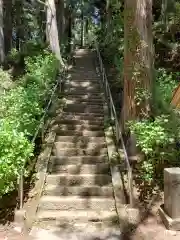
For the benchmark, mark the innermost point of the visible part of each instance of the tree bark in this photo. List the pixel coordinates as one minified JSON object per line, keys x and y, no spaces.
{"x":60,"y":19}
{"x":2,"y":55}
{"x":138,"y":59}
{"x":52,"y":30}
{"x":19,"y":24}
{"x":8,"y":28}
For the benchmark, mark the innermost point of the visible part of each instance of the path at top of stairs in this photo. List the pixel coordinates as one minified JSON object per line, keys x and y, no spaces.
{"x":78,"y":201}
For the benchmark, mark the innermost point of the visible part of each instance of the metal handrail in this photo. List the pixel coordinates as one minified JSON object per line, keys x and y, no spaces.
{"x":41,"y":123}
{"x":114,"y":117}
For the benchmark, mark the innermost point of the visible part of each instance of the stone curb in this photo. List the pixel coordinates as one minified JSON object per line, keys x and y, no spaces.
{"x":26,"y":216}
{"x":128,"y":217}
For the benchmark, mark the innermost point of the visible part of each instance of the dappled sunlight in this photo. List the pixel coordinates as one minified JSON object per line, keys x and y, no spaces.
{"x":78,"y":187}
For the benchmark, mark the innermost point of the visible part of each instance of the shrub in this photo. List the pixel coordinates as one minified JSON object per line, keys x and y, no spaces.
{"x":15,"y":149}
{"x":20,"y":111}
{"x":157,"y":138}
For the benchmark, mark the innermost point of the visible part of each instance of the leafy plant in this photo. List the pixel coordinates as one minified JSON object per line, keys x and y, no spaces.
{"x":15,"y":149}
{"x":20,"y":111}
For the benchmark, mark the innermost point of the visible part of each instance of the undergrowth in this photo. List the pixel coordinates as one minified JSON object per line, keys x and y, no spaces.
{"x":22,"y":105}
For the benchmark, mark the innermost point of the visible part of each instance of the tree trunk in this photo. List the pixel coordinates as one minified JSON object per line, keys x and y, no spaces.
{"x":2,"y":55}
{"x":52,"y":31}
{"x":70,"y":32}
{"x":60,"y":18}
{"x":19,"y":24}
{"x":8,"y":28}
{"x":82,"y":24}
{"x":138,"y":59}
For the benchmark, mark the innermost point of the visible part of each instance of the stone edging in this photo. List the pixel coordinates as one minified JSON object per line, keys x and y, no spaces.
{"x":128,"y":217}
{"x":26,"y":216}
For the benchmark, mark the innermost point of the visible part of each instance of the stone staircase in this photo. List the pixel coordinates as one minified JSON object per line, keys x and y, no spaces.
{"x":78,"y":201}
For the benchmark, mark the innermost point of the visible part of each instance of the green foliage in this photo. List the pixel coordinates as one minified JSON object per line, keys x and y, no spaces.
{"x":157,"y":138}
{"x":15,"y":149}
{"x":20,"y":112}
{"x":157,"y":141}
{"x":165,"y":85}
{"x":5,"y":81}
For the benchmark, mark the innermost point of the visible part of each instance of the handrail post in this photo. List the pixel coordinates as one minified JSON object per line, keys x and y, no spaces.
{"x":130,"y":186}
{"x":21,"y":189}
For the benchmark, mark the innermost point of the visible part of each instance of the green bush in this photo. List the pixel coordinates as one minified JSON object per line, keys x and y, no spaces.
{"x":157,"y":137}
{"x":15,"y":149}
{"x":20,"y":112}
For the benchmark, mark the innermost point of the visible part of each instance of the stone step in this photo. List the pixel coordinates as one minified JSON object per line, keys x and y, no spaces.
{"x":83,"y":191}
{"x":93,"y":102}
{"x":79,"y":108}
{"x":56,"y":218}
{"x":75,"y":203}
{"x":81,"y":127}
{"x":86,"y":114}
{"x":79,"y":133}
{"x":80,"y":231}
{"x":86,"y":89}
{"x":86,"y":98}
{"x":82,"y":144}
{"x":78,"y":152}
{"x":80,"y":139}
{"x":74,"y":180}
{"x":99,"y":168}
{"x":75,"y":83}
{"x":96,"y":123}
{"x":79,"y":160}
{"x":84,"y":94}
{"x":87,"y":117}
{"x":83,"y":75}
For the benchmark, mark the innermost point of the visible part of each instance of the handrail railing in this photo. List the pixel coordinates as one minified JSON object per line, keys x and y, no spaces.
{"x":41,"y":123}
{"x":114,"y":117}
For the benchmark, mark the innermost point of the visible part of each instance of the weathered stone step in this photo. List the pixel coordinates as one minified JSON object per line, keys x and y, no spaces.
{"x":96,"y":123}
{"x":78,"y":139}
{"x":80,"y":231}
{"x":83,"y":75}
{"x":83,"y":191}
{"x":99,"y":168}
{"x":84,"y":94}
{"x":80,"y":133}
{"x":79,"y":160}
{"x":81,"y":144}
{"x":80,"y":108}
{"x":86,"y":97}
{"x":81,"y":114}
{"x":65,"y":127}
{"x":75,"y":91}
{"x":76,"y":203}
{"x":92,"y":102}
{"x":74,"y":180}
{"x":60,"y":217}
{"x":88,"y":89}
{"x":89,"y":117}
{"x":75,"y":83}
{"x":77,"y":152}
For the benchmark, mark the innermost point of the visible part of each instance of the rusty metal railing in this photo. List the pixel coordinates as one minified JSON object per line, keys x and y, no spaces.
{"x":40,"y":130}
{"x":114,"y":118}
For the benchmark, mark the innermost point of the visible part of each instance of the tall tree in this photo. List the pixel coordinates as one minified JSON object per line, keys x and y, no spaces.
{"x":8,"y":28}
{"x":60,"y":18}
{"x":19,"y":25}
{"x":52,"y":30}
{"x":138,"y":61}
{"x":1,"y":33}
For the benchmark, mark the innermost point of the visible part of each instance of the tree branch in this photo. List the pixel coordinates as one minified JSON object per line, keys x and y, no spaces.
{"x":41,"y":2}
